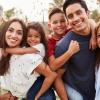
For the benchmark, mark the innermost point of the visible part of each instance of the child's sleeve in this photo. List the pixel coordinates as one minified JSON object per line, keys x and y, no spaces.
{"x":40,"y":47}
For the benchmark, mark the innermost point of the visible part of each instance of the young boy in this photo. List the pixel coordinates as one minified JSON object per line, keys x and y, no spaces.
{"x":58,"y":26}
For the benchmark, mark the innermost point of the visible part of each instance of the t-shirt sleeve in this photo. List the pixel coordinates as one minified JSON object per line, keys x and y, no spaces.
{"x":40,"y":47}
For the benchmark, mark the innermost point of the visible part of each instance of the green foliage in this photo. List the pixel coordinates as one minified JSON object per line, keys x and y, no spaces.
{"x":56,"y":3}
{"x":9,"y":13}
{"x":95,"y":15}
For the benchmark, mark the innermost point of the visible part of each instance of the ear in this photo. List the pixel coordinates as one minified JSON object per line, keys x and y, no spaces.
{"x":88,"y":13}
{"x":49,"y":25}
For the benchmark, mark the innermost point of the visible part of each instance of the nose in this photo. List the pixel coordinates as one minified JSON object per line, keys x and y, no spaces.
{"x":14,"y":34}
{"x":59,"y":23}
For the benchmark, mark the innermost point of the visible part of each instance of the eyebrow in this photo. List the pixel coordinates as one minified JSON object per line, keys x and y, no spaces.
{"x":13,"y":28}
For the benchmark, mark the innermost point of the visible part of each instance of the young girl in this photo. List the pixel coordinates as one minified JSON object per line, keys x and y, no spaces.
{"x":97,"y":77}
{"x":19,"y":72}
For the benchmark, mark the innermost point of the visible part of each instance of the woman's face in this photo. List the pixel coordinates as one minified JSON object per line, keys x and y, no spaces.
{"x":98,"y":37}
{"x":14,"y":34}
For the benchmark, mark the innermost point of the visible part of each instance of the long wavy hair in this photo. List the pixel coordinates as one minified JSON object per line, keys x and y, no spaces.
{"x":4,"y":61}
{"x":39,"y":28}
{"x":98,"y":49}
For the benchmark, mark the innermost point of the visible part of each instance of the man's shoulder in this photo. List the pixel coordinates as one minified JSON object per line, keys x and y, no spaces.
{"x":66,"y":39}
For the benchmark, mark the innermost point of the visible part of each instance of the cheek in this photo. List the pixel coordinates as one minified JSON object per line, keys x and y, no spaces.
{"x":20,"y":39}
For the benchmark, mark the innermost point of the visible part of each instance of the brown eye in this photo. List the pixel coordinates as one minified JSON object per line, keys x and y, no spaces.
{"x":55,"y":22}
{"x":70,"y":16}
{"x":79,"y":12}
{"x":19,"y":32}
{"x":62,"y":21}
{"x":10,"y":30}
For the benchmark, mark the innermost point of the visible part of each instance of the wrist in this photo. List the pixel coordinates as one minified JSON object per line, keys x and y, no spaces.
{"x":70,"y":53}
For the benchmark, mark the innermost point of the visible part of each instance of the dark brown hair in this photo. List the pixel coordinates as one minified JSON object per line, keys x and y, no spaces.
{"x":54,"y":11}
{"x":98,"y":49}
{"x":39,"y":28}
{"x":70,"y":2}
{"x":4,"y":61}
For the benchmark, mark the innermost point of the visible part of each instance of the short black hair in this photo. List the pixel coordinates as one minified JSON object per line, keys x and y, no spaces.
{"x":70,"y":2}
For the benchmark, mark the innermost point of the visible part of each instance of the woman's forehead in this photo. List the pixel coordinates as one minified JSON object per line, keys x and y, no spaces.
{"x":16,"y":25}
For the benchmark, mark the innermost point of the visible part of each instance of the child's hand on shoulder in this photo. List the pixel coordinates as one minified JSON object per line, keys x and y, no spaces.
{"x":93,"y":43}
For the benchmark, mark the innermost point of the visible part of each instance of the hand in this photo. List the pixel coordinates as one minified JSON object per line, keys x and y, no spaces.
{"x":93,"y":43}
{"x":37,"y":97}
{"x":7,"y":96}
{"x":0,"y":52}
{"x":73,"y":47}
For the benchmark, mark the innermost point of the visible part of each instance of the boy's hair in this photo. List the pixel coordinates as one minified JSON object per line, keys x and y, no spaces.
{"x":54,"y":11}
{"x":70,"y":2}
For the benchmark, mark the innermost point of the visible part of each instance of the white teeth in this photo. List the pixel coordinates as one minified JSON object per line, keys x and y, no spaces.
{"x":78,"y":24}
{"x":13,"y":40}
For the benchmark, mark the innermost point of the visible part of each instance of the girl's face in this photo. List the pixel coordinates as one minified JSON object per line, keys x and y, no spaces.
{"x":33,"y":37}
{"x":14,"y":34}
{"x":98,"y":37}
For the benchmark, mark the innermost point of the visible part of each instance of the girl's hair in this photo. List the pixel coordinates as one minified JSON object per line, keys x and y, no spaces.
{"x":4,"y":61}
{"x":98,"y":49}
{"x":39,"y":28}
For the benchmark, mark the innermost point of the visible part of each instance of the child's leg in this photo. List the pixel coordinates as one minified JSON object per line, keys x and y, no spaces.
{"x":59,"y":86}
{"x":35,"y":88}
{"x":48,"y":95}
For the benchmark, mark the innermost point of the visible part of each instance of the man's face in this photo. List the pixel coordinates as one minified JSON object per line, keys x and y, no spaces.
{"x":77,"y":17}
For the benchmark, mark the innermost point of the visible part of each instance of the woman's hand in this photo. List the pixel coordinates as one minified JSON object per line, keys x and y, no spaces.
{"x":7,"y":96}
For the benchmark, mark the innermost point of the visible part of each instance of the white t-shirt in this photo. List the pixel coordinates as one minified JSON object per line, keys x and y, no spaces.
{"x":19,"y":78}
{"x":97,"y":83}
{"x":40,"y":47}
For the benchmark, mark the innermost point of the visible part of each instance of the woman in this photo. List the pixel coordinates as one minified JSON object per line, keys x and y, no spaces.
{"x":19,"y":72}
{"x":97,"y":82}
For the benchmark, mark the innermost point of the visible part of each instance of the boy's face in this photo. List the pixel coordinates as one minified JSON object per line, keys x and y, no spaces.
{"x":77,"y":17}
{"x":98,"y":37}
{"x":57,"y":24}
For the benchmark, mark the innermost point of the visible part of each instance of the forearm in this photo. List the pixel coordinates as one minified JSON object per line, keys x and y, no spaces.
{"x":46,"y":84}
{"x":21,"y":50}
{"x":58,"y":62}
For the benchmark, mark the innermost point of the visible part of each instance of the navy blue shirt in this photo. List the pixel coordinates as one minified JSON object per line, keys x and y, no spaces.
{"x":80,"y":73}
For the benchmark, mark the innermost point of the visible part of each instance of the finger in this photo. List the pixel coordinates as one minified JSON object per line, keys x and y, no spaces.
{"x":89,"y":45}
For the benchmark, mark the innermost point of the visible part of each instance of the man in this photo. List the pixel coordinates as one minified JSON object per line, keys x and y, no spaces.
{"x":79,"y":76}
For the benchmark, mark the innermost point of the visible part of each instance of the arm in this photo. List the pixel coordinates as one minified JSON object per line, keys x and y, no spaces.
{"x":6,"y":96}
{"x":93,"y":42}
{"x":49,"y":78}
{"x":21,"y":50}
{"x":56,"y":63}
{"x":59,"y":85}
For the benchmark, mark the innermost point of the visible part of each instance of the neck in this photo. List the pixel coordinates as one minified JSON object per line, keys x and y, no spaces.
{"x":56,"y":36}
